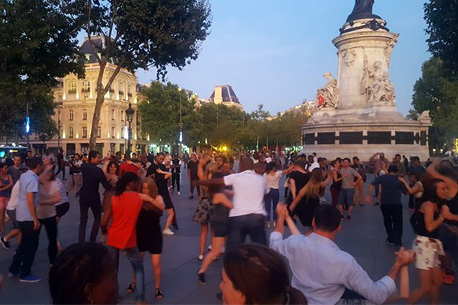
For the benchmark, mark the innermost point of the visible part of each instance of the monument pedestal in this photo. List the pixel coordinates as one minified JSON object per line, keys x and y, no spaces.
{"x":357,"y":114}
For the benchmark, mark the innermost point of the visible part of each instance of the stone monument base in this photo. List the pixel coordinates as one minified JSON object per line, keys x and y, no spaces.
{"x":333,"y":133}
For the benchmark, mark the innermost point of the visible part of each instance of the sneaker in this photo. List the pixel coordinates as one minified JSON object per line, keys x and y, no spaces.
{"x":30,"y":279}
{"x":200,"y":257}
{"x":11,"y":275}
{"x":4,"y":243}
{"x":168,"y":232}
{"x":179,"y":193}
{"x":448,"y":277}
{"x":209,"y":247}
{"x":201,"y":278}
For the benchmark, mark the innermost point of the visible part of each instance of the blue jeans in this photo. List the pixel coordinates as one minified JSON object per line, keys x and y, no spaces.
{"x":271,"y":201}
{"x":133,"y":255}
{"x":241,"y":226}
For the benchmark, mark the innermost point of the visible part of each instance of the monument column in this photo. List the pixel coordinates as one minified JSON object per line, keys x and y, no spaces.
{"x":363,"y":54}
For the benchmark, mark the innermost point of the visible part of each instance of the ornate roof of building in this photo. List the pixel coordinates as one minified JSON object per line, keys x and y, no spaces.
{"x":228,"y":94}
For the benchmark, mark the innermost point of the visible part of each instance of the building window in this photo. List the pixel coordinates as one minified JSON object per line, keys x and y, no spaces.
{"x":112,"y":114}
{"x":70,"y":115}
{"x":72,"y":87}
{"x":121,"y":88}
{"x":70,"y":132}
{"x":86,"y":87}
{"x":112,"y":132}
{"x":99,"y":132}
{"x":129,"y":90}
{"x":84,"y":132}
{"x":84,"y":114}
{"x":88,"y":57}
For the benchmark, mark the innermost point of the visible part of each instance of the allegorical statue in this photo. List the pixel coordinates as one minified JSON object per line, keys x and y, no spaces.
{"x":328,"y":96}
{"x":362,"y":10}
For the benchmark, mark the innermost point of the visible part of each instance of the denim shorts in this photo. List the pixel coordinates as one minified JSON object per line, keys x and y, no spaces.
{"x":346,"y":197}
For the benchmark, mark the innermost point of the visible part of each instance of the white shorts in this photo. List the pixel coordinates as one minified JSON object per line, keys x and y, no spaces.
{"x":427,"y":252}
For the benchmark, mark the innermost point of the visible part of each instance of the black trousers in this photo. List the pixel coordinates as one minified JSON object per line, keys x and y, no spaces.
{"x":96,"y":208}
{"x":25,"y":253}
{"x":193,"y":184}
{"x":176,"y":180}
{"x":50,"y":225}
{"x":392,"y":219}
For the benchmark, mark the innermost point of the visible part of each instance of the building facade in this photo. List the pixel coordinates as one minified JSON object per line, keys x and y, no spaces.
{"x":75,"y":102}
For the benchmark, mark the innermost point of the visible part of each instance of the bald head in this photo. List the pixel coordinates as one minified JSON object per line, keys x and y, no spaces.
{"x":246,"y":164}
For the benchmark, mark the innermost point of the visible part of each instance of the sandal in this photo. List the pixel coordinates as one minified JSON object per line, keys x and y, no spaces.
{"x":159,"y":294}
{"x":131,"y":288}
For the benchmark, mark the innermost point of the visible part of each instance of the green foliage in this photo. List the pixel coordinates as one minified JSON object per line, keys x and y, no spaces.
{"x":160,"y":113}
{"x":435,"y":92}
{"x":140,"y":34}
{"x":38,"y":43}
{"x":442,"y":19}
{"x":215,"y":124}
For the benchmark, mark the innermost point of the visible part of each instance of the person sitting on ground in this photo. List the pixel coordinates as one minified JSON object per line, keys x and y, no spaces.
{"x":323,"y":272}
{"x":255,"y":274}
{"x":84,"y":273}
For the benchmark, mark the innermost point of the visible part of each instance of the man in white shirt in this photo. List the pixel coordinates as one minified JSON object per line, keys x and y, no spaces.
{"x":248,"y":215}
{"x":321,"y":271}
{"x":313,"y":163}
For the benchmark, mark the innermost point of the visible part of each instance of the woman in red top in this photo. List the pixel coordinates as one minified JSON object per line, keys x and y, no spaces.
{"x":125,"y":207}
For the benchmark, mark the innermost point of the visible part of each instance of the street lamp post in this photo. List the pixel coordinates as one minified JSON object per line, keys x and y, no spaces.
{"x":130,"y":116}
{"x":58,"y":104}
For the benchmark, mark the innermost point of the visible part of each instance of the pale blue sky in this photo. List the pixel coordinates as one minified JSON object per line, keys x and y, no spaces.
{"x":275,"y":52}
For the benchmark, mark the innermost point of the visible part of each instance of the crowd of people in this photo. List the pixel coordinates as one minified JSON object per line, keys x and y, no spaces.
{"x":231,"y":207}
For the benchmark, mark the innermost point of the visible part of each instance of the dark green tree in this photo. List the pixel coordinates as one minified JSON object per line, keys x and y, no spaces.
{"x":140,"y":34}
{"x":37,"y":44}
{"x":442,"y":19}
{"x":435,"y":92}
{"x":160,"y":112}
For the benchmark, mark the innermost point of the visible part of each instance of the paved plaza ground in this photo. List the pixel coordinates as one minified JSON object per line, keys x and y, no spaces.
{"x":363,"y":237}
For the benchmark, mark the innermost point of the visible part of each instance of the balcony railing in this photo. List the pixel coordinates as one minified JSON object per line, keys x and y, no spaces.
{"x":71,"y":91}
{"x":85,"y":90}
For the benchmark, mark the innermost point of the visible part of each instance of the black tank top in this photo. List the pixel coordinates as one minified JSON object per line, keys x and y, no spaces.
{"x":419,"y":225}
{"x":337,"y":185}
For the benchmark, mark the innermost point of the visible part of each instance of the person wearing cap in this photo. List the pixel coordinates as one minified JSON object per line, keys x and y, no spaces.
{"x":391,"y":205}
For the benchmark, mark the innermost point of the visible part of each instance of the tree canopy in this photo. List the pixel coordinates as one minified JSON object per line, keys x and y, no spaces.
{"x":214,"y":124}
{"x":442,"y":19}
{"x":140,"y":34}
{"x":37,"y":44}
{"x":435,"y":92}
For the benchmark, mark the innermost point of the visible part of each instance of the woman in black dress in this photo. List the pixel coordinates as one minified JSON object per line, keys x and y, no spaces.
{"x":149,"y":235}
{"x":308,"y":198}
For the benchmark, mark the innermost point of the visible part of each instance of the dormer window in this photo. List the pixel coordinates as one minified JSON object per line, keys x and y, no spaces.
{"x":87,"y":57}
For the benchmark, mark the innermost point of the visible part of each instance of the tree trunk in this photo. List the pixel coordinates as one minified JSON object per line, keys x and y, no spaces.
{"x":100,"y":91}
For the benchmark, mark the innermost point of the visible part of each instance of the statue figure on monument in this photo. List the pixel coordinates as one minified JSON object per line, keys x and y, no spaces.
{"x":328,"y":95}
{"x":362,"y":10}
{"x":369,"y":77}
{"x":382,"y":90}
